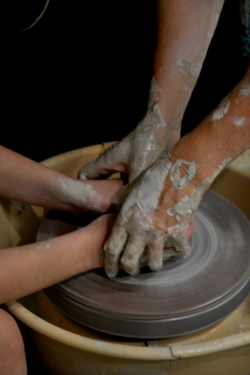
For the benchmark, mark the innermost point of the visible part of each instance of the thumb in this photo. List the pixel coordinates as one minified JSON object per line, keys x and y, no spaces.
{"x":105,"y":165}
{"x":93,"y":169}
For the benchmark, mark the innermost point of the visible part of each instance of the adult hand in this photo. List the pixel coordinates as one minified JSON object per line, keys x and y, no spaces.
{"x":137,"y":151}
{"x":160,"y":203}
{"x":156,"y":216}
{"x":180,"y":50}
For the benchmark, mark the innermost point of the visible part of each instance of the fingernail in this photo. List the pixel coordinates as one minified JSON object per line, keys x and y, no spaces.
{"x":186,"y":252}
{"x":155,"y":266}
{"x":111,"y":272}
{"x":82,"y":176}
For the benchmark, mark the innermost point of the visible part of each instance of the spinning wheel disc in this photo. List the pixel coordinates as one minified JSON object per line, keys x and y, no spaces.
{"x":186,"y":295}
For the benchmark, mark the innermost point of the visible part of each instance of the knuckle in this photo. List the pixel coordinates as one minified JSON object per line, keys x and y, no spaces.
{"x":111,"y":250}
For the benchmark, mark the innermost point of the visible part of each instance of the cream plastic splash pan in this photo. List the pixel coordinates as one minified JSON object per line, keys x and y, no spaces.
{"x":64,"y":347}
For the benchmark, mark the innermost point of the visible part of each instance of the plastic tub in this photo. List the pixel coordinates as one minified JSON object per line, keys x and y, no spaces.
{"x":64,"y":347}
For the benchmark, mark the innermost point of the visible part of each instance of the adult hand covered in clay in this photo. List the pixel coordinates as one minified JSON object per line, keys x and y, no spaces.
{"x":138,"y":150}
{"x":184,"y":31}
{"x":154,"y":219}
{"x":161,"y":202}
{"x":155,"y":212}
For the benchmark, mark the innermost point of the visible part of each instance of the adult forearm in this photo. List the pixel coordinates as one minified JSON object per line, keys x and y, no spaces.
{"x":158,"y":210}
{"x":185,"y":30}
{"x":222,"y":136}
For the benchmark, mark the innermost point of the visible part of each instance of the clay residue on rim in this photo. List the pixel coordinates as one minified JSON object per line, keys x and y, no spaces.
{"x":153,"y":351}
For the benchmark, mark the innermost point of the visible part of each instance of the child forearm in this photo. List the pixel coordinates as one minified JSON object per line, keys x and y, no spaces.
{"x":25,"y":180}
{"x":29,"y":268}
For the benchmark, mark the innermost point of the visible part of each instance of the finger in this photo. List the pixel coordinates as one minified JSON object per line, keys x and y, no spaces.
{"x":169,"y":252}
{"x":190,"y":229}
{"x":170,"y":248}
{"x":155,"y":256}
{"x":181,"y":244}
{"x":111,"y":161}
{"x":113,"y":248}
{"x":132,"y":253}
{"x":95,"y":169}
{"x":124,"y":192}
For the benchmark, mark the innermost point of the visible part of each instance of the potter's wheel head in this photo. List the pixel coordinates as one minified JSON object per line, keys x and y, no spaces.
{"x":185,"y":296}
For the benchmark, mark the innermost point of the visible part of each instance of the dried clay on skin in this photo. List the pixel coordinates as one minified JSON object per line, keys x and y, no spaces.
{"x":183,"y":210}
{"x":146,"y":195}
{"x":178,"y":181}
{"x":221,"y":111}
{"x":239,"y":121}
{"x":190,"y":71}
{"x":244,"y":90}
{"x":153,"y":97}
{"x":79,"y":194}
{"x":46,"y":245}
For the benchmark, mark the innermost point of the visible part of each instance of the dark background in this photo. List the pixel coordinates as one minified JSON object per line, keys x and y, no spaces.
{"x":81,"y":75}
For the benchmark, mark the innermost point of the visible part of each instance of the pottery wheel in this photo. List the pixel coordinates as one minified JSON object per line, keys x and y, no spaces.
{"x":185,"y":296}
